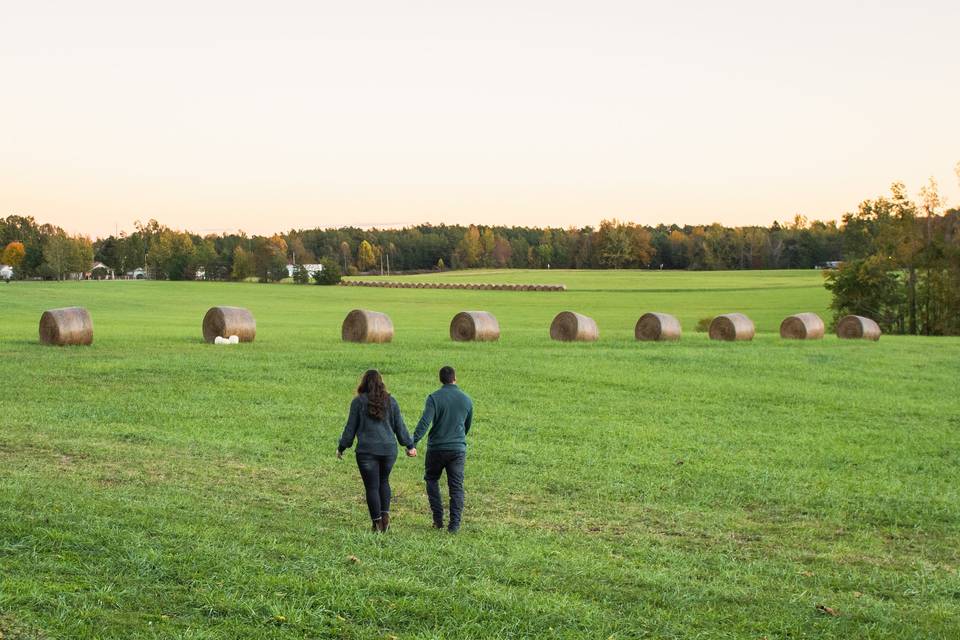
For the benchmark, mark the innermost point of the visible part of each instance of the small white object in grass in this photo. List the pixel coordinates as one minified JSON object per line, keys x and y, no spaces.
{"x":221,"y":340}
{"x":234,"y":339}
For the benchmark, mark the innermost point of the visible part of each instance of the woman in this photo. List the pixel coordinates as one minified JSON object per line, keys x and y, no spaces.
{"x":375,"y":422}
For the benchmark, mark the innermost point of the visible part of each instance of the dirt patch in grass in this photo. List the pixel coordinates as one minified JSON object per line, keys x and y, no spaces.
{"x":11,"y":629}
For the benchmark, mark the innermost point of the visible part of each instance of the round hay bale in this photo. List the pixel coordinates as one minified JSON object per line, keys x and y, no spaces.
{"x":68,"y":325}
{"x":657,"y":326}
{"x":802,"y":326}
{"x":569,"y":326}
{"x":732,"y":326}
{"x":229,"y":321}
{"x":477,"y":326}
{"x":366,"y":326}
{"x":858,"y":328}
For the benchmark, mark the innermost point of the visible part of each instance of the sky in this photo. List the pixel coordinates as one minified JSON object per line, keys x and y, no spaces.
{"x":268,"y":116}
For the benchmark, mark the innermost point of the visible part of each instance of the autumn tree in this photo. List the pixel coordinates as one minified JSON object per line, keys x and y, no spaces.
{"x":613,"y":245}
{"x":270,"y":258}
{"x":641,"y":247}
{"x":13,"y":254}
{"x":487,"y":243}
{"x":299,"y":254}
{"x":469,"y":250}
{"x":366,"y":256}
{"x":346,"y":255}
{"x":501,"y":252}
{"x":242,"y":264}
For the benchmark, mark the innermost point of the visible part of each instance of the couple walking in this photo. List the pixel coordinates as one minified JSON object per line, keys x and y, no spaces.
{"x":377,"y":425}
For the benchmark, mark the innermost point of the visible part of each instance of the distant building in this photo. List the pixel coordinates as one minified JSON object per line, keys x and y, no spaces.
{"x":831,"y":264}
{"x":6,"y":272}
{"x":137,"y":274}
{"x":100,"y":271}
{"x":311,"y":268}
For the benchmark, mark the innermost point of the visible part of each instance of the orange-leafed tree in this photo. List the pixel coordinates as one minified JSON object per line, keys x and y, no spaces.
{"x":13,"y":254}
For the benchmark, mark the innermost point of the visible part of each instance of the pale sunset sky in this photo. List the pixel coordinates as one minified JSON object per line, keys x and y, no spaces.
{"x":268,"y":116}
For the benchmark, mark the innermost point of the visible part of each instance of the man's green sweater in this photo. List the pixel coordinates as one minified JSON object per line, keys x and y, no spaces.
{"x":451,"y":412}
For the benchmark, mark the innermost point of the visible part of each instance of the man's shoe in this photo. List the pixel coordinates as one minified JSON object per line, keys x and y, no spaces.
{"x":438,"y":524}
{"x":453,"y":529}
{"x":384,"y":521}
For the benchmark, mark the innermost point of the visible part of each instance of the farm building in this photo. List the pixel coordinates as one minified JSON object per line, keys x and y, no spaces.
{"x":6,"y":272}
{"x":100,"y":271}
{"x":311,"y":268}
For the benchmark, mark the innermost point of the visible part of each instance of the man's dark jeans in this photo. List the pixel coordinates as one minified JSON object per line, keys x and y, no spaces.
{"x":375,"y":471}
{"x":452,"y":462}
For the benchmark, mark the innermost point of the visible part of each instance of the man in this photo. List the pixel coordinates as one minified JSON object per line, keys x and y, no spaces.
{"x":450,"y":412}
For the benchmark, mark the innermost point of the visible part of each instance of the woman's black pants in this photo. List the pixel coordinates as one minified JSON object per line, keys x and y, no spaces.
{"x":375,"y":471}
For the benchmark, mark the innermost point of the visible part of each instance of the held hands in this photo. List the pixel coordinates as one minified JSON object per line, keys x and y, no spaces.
{"x":411,"y":453}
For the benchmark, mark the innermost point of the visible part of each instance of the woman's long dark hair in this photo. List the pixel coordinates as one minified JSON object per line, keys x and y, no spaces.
{"x":378,"y":399}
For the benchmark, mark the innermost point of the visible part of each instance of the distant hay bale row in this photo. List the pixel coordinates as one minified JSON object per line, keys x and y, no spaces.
{"x":454,"y":285}
{"x":73,"y":326}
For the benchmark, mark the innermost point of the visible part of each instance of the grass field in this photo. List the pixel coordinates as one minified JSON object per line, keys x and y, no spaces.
{"x":153,"y":486}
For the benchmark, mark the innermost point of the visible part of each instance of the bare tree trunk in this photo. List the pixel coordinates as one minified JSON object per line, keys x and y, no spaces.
{"x":912,"y":299}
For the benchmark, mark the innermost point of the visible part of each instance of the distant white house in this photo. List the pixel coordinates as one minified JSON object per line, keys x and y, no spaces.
{"x":137,"y":274}
{"x":201,"y":274}
{"x":6,"y":272}
{"x":100,"y":271}
{"x":311,"y":268}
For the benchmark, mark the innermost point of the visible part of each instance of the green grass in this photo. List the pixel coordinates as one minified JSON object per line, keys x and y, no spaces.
{"x":153,"y":486}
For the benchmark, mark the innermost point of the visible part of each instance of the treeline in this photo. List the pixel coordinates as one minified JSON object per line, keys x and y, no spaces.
{"x":902,"y":265}
{"x":900,"y":258}
{"x":165,"y":253}
{"x":42,"y":250}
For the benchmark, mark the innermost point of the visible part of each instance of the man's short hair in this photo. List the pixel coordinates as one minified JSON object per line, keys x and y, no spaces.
{"x":447,"y":374}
